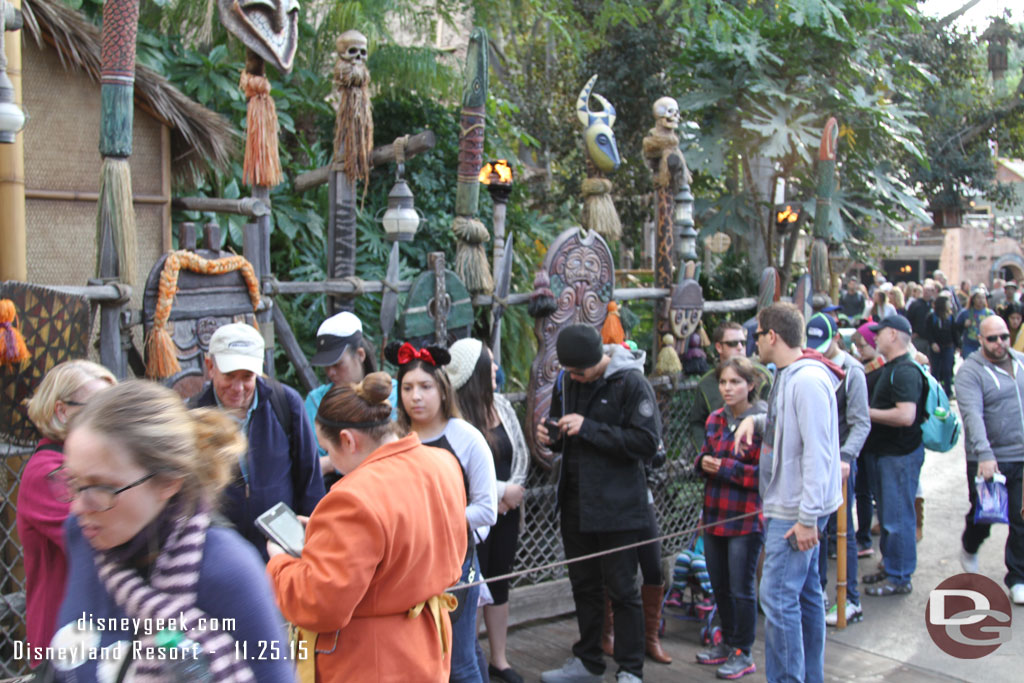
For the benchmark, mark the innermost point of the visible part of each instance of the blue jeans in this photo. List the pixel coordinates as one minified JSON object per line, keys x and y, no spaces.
{"x":732,"y":566}
{"x":896,"y":478}
{"x":465,"y":663}
{"x":794,"y":633}
{"x":852,"y":594}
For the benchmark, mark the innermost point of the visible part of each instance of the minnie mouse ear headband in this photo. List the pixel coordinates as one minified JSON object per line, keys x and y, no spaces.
{"x":399,"y":354}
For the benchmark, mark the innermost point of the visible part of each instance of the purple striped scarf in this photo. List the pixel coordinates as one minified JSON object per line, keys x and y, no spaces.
{"x":170,"y":593}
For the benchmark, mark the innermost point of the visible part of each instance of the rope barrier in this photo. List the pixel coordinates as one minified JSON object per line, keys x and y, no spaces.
{"x":601,"y":553}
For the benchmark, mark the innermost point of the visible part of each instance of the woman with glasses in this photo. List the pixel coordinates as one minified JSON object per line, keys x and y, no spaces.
{"x":141,"y":474}
{"x":40,"y":517}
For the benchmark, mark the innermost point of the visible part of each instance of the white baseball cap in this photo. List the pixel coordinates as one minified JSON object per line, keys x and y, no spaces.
{"x":335,"y":335}
{"x":237,"y":346}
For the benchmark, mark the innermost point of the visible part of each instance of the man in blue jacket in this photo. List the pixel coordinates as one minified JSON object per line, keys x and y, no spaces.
{"x":281,"y":464}
{"x":800,"y":486}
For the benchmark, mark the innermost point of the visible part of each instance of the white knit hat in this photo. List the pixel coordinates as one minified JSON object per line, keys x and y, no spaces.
{"x":465,"y":354}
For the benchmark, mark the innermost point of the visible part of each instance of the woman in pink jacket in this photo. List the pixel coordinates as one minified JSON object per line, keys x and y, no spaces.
{"x":40,"y":518}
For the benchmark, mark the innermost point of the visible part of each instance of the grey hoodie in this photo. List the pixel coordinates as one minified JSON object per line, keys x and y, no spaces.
{"x":800,"y":474}
{"x":623,"y":359}
{"x":991,"y":403}
{"x":855,"y":420}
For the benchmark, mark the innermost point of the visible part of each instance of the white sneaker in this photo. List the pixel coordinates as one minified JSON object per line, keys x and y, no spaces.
{"x":1017,"y":593}
{"x":969,"y":561}
{"x":572,"y":671}
{"x":854,"y":613}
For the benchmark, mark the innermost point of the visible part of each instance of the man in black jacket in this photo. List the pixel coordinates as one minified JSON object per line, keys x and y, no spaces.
{"x":608,"y":426}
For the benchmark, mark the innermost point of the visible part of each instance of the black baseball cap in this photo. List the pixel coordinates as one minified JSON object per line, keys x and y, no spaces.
{"x":896,"y":322}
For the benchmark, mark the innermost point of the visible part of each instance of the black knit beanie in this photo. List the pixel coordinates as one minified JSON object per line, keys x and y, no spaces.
{"x":579,"y":346}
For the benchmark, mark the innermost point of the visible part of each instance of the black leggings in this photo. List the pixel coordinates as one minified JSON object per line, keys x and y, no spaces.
{"x":497,"y":553}
{"x":650,"y":553}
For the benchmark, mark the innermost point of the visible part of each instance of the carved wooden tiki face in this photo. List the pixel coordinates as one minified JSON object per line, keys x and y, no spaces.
{"x":270,"y":28}
{"x":685,"y":309}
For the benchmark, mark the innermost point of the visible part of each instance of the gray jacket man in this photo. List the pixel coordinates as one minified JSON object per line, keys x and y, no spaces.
{"x":990,"y":395}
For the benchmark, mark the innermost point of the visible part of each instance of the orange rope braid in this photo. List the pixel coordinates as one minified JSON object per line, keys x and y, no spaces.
{"x":162,"y":361}
{"x":262,"y":164}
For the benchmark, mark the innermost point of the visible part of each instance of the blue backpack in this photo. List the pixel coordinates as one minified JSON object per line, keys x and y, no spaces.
{"x":940,"y":430}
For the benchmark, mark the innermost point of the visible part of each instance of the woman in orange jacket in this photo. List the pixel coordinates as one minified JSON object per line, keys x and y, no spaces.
{"x":381,"y":547}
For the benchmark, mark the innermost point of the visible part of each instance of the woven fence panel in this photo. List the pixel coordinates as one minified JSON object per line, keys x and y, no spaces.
{"x":678,"y":492}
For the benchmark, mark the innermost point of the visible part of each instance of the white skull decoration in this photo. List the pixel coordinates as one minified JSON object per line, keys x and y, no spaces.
{"x":666,"y":114}
{"x":352,"y":47}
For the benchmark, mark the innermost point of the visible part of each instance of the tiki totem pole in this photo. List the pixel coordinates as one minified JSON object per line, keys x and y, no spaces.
{"x":269,"y":29}
{"x":115,"y":220}
{"x":668,"y":167}
{"x":471,"y":257}
{"x":824,"y":234}
{"x":353,"y":144}
{"x":116,"y":243}
{"x":599,"y":212}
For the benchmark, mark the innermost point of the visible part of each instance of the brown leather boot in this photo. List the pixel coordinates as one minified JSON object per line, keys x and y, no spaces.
{"x":608,"y":634}
{"x":652,"y":596}
{"x":919,"y":511}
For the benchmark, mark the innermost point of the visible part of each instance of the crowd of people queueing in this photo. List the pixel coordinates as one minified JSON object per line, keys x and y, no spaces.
{"x":139,"y":509}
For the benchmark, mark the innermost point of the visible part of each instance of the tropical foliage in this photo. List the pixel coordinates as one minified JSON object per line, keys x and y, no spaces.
{"x":915,"y":105}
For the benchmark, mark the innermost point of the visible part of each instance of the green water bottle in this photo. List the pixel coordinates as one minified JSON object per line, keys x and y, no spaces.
{"x":185,"y":661}
{"x":941,"y":413}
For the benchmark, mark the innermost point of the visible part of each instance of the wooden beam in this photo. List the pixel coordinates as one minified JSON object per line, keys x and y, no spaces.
{"x":74,"y":196}
{"x":286,"y":337}
{"x":353,"y":288}
{"x":246,"y":206}
{"x":419,"y":143}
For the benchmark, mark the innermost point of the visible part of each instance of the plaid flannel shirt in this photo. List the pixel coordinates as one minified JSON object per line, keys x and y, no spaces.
{"x":732,"y":491}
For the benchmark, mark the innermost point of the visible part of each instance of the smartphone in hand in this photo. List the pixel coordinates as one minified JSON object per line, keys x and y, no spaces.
{"x":281,"y":526}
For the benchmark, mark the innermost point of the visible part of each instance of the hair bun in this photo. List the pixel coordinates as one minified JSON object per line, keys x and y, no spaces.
{"x":375,"y":388}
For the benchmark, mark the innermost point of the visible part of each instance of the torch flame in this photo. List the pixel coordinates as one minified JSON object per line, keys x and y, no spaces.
{"x":500,"y":168}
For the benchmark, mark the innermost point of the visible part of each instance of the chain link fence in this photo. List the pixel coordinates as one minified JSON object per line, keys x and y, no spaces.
{"x":12,"y":574}
{"x":678,"y":497}
{"x":677,"y":488}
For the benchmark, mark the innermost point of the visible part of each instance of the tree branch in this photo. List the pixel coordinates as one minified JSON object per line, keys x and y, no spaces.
{"x":950,"y":18}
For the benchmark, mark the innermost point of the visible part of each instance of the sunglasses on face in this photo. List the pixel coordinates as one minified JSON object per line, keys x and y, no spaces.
{"x":735,"y":343}
{"x":760,"y":333}
{"x":993,"y":338}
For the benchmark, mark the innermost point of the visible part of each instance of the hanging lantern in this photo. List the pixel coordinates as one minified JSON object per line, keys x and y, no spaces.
{"x":401,"y":218}
{"x":686,"y":235}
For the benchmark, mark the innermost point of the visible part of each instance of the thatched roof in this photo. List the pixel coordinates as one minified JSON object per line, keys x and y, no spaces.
{"x":200,"y":139}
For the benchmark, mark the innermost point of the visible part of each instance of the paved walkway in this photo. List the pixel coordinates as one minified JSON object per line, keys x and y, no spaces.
{"x":890,"y":644}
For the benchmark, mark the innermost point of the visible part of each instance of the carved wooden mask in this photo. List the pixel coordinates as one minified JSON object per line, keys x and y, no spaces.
{"x":270,"y":28}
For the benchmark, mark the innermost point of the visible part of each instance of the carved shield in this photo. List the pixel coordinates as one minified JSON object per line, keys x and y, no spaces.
{"x":417,"y":322}
{"x":582,"y":276}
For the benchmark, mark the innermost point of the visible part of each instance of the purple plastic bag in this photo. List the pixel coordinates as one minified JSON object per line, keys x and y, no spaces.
{"x":993,"y":502}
